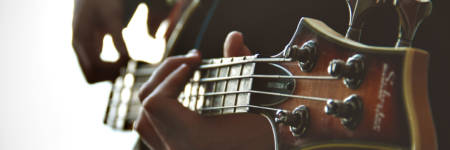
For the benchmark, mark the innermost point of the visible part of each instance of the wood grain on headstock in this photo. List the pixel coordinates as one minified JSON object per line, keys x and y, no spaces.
{"x":392,"y":97}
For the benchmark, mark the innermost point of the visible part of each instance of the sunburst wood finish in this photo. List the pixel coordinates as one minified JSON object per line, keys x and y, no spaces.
{"x":394,"y":116}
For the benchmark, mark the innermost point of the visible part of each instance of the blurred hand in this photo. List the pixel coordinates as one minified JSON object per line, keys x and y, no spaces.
{"x":91,"y":21}
{"x":165,"y":124}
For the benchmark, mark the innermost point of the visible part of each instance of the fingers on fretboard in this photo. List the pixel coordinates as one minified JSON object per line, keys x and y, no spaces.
{"x":215,"y":97}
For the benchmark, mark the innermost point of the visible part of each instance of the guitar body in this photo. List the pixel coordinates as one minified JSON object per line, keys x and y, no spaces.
{"x":396,"y":112}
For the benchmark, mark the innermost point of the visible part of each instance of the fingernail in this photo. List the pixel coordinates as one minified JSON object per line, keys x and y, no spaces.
{"x":192,"y":52}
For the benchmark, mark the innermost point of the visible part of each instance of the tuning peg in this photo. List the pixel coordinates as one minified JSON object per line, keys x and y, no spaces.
{"x":348,"y":111}
{"x":297,"y":120}
{"x":411,"y":14}
{"x":358,"y":10}
{"x":353,"y":70}
{"x":306,"y":55}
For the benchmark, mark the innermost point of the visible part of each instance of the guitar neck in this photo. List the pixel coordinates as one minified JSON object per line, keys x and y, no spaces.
{"x":208,"y":92}
{"x":219,"y":86}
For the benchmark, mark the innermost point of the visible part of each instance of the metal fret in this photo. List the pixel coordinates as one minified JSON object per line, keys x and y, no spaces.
{"x":232,"y":85}
{"x":222,"y":85}
{"x":245,"y":84}
{"x":204,"y":88}
{"x":213,"y":72}
{"x":194,"y":91}
{"x":201,"y":99}
{"x":134,"y":105}
{"x":126,"y":94}
{"x":114,"y":102}
{"x":187,"y":95}
{"x":124,"y":104}
{"x":237,"y":84}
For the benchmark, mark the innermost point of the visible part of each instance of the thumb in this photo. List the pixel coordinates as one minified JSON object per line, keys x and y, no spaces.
{"x":234,"y":45}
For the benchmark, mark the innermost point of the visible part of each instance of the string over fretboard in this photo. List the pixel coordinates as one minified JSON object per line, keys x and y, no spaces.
{"x":193,"y":95}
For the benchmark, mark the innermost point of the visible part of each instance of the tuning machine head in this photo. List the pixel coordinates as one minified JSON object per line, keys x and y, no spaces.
{"x":349,"y":111}
{"x":306,"y":55}
{"x":297,"y":120}
{"x":352,"y":71}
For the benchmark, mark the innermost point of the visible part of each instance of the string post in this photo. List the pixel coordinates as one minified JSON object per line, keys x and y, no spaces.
{"x":306,"y":55}
{"x":349,"y":110}
{"x":297,"y":120}
{"x":352,"y":71}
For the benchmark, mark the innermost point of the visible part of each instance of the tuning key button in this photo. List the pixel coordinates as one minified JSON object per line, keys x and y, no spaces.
{"x":297,"y":120}
{"x":349,"y":111}
{"x":338,"y":68}
{"x":352,"y":71}
{"x":306,"y":55}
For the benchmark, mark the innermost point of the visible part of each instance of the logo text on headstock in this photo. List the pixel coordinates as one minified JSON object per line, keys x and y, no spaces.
{"x":387,"y":79}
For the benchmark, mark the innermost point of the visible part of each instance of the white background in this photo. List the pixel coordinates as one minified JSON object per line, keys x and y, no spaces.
{"x":45,"y":102}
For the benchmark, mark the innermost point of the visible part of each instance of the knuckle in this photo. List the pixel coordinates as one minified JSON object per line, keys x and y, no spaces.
{"x":170,"y":60}
{"x":148,"y":103}
{"x":142,"y":95}
{"x":143,"y":92}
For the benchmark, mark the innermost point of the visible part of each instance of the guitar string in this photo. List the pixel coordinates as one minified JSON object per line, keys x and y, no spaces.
{"x":215,"y":79}
{"x":206,"y":94}
{"x":256,"y":60}
{"x":239,"y":106}
{"x":146,"y":71}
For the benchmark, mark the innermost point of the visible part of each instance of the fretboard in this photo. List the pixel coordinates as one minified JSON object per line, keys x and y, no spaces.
{"x":207,"y":93}
{"x":210,"y":91}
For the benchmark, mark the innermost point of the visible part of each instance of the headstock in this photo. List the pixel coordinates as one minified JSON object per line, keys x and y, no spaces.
{"x":362,"y":97}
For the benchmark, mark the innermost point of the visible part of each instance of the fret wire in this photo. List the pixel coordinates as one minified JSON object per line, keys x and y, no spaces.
{"x":239,"y":106}
{"x":266,"y":76}
{"x":241,"y":71}
{"x":256,"y":60}
{"x":232,"y":85}
{"x":193,"y":102}
{"x":228,"y":68}
{"x":248,"y":69}
{"x":211,"y":73}
{"x":188,"y":95}
{"x":216,"y":86}
{"x":267,"y":93}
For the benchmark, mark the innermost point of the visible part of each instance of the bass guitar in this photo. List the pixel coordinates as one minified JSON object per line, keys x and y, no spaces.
{"x":323,"y":90}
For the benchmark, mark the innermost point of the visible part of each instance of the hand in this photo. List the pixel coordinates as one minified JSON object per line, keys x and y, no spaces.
{"x":165,"y":124}
{"x":91,"y":21}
